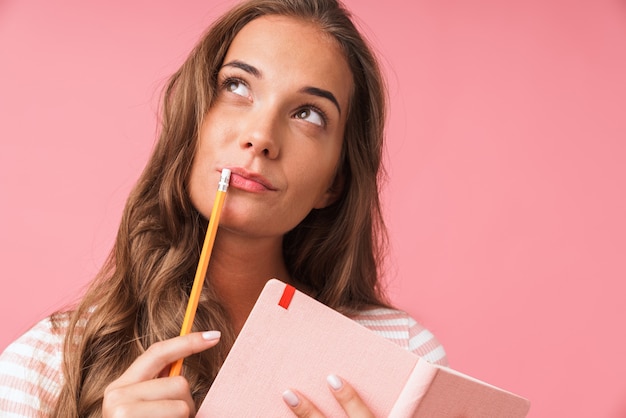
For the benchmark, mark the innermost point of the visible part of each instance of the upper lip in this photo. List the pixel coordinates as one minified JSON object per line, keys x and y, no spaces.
{"x":240,"y":171}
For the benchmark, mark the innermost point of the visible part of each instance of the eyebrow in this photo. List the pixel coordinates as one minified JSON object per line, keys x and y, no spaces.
{"x":245,"y":67}
{"x":322,"y":93}
{"x":314,"y":91}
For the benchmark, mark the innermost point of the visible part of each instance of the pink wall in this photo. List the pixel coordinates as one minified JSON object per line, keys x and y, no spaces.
{"x":507,"y":191}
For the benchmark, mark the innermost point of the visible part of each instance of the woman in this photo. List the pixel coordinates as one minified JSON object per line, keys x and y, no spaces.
{"x":287,"y":95}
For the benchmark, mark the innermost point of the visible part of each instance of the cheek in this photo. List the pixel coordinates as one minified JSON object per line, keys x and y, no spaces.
{"x":316,"y":180}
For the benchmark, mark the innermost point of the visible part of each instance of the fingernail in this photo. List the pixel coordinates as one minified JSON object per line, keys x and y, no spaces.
{"x":291,"y":398}
{"x":334,"y":381}
{"x":211,"y":335}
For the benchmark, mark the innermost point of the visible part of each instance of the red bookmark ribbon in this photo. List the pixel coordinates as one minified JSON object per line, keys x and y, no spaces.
{"x":285,"y":299}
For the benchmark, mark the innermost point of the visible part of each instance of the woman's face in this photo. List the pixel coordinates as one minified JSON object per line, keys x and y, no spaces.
{"x":278,"y":123}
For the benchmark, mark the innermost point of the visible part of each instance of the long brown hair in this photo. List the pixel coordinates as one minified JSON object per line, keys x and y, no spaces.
{"x":139,"y":296}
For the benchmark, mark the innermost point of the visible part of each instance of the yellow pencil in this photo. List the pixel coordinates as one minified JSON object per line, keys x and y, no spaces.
{"x":203,"y":263}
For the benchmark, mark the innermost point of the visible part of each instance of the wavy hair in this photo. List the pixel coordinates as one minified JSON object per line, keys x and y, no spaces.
{"x":139,"y":296}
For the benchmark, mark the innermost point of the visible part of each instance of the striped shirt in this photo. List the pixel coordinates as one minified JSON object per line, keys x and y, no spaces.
{"x":31,"y":375}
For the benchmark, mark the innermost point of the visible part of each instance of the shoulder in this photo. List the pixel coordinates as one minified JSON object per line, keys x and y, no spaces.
{"x":30,"y":369}
{"x":400,"y":328}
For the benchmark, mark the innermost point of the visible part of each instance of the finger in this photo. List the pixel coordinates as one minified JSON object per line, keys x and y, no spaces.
{"x":348,"y":398}
{"x":161,"y":354}
{"x":300,"y":405}
{"x":169,"y":388}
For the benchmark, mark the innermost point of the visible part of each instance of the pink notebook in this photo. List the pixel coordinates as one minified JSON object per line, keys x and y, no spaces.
{"x":293,"y":341}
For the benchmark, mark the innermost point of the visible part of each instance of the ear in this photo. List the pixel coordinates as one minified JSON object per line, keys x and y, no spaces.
{"x":332,"y":194}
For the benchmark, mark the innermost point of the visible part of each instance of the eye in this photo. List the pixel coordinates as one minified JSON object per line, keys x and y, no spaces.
{"x":237,"y":87}
{"x":312,"y":115}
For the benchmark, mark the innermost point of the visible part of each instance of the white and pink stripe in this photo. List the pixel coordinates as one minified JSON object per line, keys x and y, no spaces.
{"x":402,"y":329}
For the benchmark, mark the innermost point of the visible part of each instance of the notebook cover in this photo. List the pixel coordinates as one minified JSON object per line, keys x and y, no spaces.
{"x":297,"y":347}
{"x":453,"y":394}
{"x":293,"y":341}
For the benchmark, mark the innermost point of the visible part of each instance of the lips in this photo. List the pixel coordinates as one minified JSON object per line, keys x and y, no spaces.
{"x":243,"y":179}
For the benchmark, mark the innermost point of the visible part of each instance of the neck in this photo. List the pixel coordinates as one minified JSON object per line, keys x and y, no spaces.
{"x":239,"y":268}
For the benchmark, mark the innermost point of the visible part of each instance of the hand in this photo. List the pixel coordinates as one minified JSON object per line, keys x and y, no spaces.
{"x":143,"y":391}
{"x":345,"y":394}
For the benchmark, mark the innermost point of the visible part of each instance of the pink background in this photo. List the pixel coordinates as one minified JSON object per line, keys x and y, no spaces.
{"x":506,"y":197}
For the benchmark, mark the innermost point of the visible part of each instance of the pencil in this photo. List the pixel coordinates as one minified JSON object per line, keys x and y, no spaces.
{"x":203,"y":263}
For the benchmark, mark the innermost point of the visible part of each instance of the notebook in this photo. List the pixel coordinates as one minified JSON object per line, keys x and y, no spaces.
{"x":290,"y":340}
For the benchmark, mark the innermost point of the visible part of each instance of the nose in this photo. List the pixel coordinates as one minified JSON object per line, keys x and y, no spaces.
{"x":260,"y":135}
